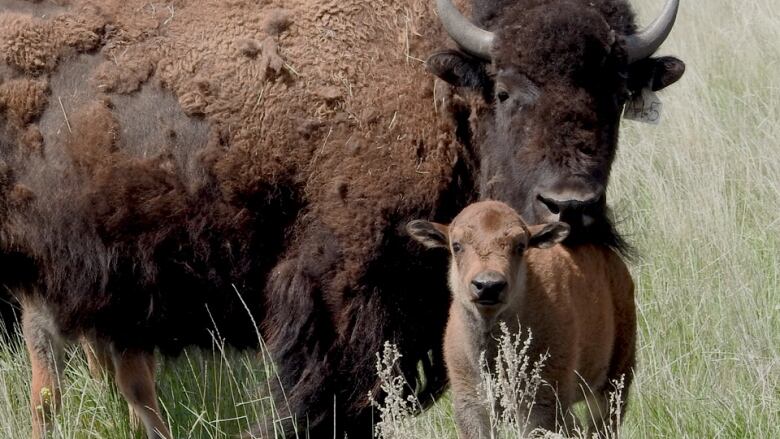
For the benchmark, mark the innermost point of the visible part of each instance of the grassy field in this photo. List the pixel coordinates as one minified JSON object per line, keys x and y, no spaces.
{"x":698,"y":196}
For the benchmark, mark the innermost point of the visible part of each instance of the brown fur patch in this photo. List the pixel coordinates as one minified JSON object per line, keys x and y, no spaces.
{"x":248,"y":47}
{"x":195,"y":99}
{"x":136,"y":196}
{"x":23,"y":100}
{"x":271,"y":61}
{"x":35,"y":45}
{"x":32,"y":140}
{"x":491,"y":220}
{"x":80,"y":32}
{"x":124,"y":75}
{"x":277,"y":21}
{"x":95,"y":132}
{"x":26,"y":43}
{"x":20,"y":195}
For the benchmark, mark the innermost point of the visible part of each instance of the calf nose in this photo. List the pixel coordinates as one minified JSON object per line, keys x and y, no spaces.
{"x":487,"y":287}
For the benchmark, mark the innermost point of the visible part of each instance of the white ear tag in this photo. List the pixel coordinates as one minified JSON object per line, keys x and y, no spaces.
{"x":644,"y":107}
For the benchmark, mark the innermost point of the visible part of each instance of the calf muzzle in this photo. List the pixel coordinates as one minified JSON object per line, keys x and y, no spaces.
{"x":487,"y":288}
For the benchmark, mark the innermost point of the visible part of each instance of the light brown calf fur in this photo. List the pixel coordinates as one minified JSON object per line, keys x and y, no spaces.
{"x":577,"y":302}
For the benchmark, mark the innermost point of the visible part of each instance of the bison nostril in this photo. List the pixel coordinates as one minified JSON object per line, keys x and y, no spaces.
{"x":551,"y":204}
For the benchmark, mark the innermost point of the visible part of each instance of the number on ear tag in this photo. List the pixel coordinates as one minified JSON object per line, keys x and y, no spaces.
{"x":644,"y":107}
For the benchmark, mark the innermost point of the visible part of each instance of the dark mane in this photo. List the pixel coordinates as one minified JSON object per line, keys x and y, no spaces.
{"x":604,"y":233}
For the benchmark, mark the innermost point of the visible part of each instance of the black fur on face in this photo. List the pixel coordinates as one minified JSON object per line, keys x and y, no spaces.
{"x":553,"y":94}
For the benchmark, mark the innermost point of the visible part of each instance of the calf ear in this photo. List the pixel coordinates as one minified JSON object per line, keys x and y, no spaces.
{"x":458,"y":69}
{"x":655,"y":73}
{"x":431,"y":235}
{"x":547,"y":235}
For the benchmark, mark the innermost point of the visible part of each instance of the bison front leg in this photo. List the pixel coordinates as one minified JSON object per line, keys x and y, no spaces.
{"x":101,"y":367}
{"x":45,"y":347}
{"x":134,"y":373}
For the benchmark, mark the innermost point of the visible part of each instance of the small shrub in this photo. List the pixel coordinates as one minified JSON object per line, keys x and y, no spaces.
{"x":509,"y":387}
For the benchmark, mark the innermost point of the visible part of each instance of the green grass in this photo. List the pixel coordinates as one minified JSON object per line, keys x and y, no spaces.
{"x":698,"y":196}
{"x":205,"y":394}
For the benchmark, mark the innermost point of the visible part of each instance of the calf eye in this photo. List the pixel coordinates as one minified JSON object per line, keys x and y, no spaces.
{"x":456,"y":247}
{"x":502,"y":95}
{"x":520,"y":248}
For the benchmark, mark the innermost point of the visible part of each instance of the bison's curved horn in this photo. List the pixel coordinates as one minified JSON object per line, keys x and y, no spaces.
{"x":471,"y":38}
{"x":644,"y":43}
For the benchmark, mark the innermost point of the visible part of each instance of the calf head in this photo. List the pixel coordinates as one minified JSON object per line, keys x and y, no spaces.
{"x":487,"y":243}
{"x":551,"y":80}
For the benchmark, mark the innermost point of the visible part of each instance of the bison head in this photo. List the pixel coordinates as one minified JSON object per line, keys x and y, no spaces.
{"x":552,"y":78}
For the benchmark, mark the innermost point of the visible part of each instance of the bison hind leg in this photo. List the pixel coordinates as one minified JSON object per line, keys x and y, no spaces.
{"x":134,"y":373}
{"x":101,"y":367}
{"x":46,"y":347}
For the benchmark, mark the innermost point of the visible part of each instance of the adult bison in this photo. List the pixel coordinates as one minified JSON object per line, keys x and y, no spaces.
{"x":172,"y":170}
{"x":553,"y":78}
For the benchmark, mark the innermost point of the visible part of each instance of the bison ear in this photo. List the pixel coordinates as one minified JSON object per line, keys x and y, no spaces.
{"x":655,"y":73}
{"x":431,"y":235}
{"x":458,"y":69}
{"x":547,"y":235}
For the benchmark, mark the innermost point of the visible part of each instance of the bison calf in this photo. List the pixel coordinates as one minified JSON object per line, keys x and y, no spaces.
{"x":577,"y":302}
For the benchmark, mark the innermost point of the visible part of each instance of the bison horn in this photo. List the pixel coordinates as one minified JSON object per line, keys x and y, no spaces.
{"x":644,"y":43}
{"x":469,"y":37}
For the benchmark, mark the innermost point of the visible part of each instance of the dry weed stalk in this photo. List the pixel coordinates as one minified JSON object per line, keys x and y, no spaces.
{"x":396,"y":409}
{"x":509,"y":387}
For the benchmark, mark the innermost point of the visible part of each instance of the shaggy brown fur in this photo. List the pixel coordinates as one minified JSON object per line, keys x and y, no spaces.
{"x":217,"y":148}
{"x":175,"y":157}
{"x":578,"y":304}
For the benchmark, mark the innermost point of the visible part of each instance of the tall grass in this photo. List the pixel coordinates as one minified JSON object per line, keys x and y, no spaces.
{"x":215,"y":394}
{"x":698,"y":196}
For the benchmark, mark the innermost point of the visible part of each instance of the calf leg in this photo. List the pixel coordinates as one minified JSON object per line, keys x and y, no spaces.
{"x":621,"y":370}
{"x":552,"y":405}
{"x":607,"y":407}
{"x":46,"y":348}
{"x":134,"y":372}
{"x":597,"y":413}
{"x":471,"y":417}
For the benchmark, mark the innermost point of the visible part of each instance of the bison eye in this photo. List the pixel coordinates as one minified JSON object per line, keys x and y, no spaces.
{"x":456,"y":247}
{"x":502,"y":95}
